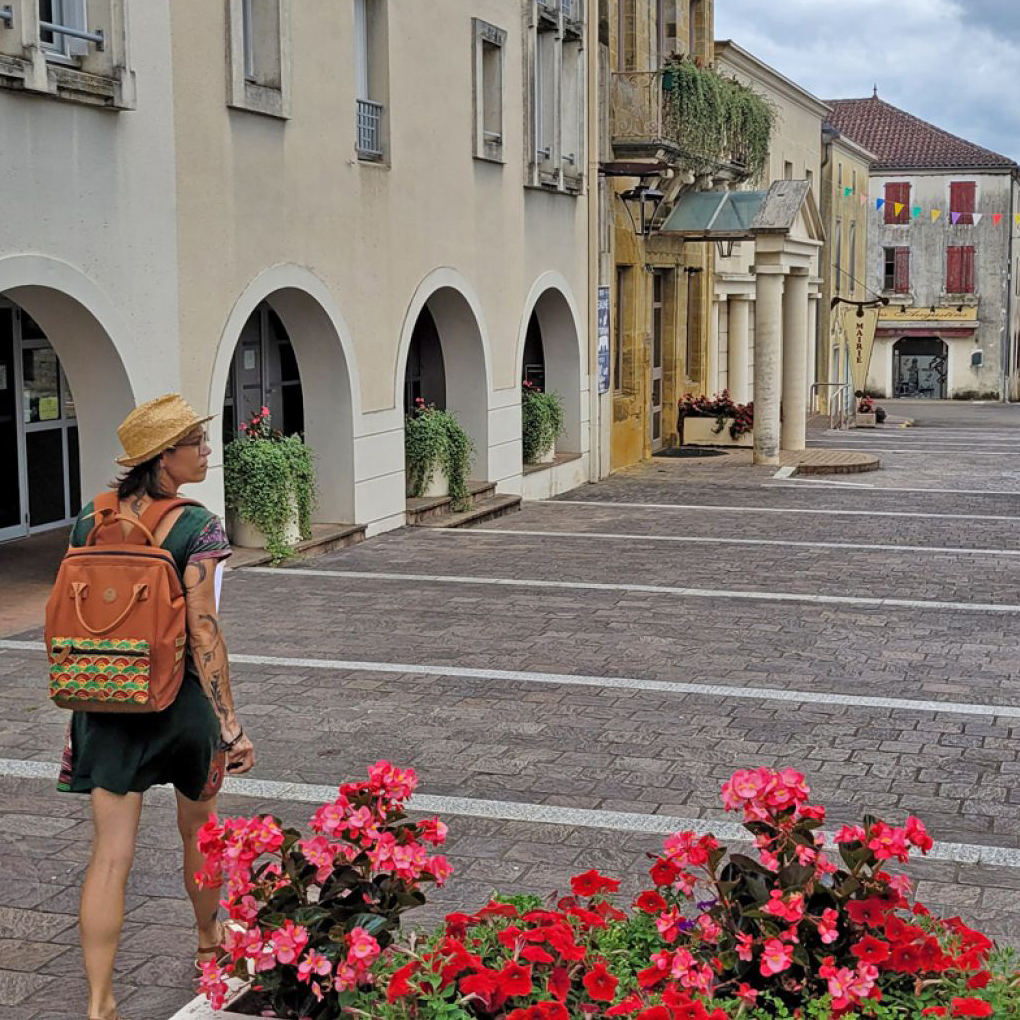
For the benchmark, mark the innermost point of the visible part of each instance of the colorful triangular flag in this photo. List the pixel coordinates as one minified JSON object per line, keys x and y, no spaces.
{"x":1016,"y":218}
{"x":897,"y":207}
{"x":916,"y":211}
{"x":997,"y":218}
{"x":864,"y":198}
{"x":935,"y":214}
{"x":955,"y":217}
{"x":977,"y":217}
{"x":847,"y":192}
{"x":879,"y":202}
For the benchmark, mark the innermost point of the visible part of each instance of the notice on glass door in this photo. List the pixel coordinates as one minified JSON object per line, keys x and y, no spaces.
{"x":49,"y":409}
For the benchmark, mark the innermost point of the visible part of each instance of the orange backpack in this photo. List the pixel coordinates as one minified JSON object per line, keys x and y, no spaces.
{"x":116,"y":631}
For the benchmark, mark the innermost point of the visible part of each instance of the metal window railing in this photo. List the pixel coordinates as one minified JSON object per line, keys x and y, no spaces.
{"x":96,"y":37}
{"x":369,"y":120}
{"x":7,"y":16}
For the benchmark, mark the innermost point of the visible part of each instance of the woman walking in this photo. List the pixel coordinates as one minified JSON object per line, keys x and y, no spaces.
{"x":116,"y":757}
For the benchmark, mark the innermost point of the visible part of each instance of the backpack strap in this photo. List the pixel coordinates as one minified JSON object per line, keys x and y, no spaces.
{"x":106,"y":512}
{"x":159,"y":508}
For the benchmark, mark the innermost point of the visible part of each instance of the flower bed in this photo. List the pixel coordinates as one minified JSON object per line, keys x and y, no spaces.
{"x":733,"y":422}
{"x":718,"y":935}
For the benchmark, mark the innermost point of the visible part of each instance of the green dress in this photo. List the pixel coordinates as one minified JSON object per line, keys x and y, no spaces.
{"x":126,"y":753}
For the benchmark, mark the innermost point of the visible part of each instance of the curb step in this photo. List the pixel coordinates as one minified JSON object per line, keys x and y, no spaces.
{"x":482,"y":511}
{"x":326,"y":538}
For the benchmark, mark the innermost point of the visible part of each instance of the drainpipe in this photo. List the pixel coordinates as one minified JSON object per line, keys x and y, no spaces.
{"x":1007,"y":345}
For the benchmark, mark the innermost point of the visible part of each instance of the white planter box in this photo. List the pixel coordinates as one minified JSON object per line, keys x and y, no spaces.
{"x":247,"y":535}
{"x":438,"y":486}
{"x":701,"y":432}
{"x":865,"y":421}
{"x":546,"y":458}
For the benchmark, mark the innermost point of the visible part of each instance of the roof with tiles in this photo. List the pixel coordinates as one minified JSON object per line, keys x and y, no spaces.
{"x":901,"y":141}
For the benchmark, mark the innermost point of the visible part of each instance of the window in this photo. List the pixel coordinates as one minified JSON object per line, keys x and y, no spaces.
{"x":787,"y":170}
{"x":897,"y":203}
{"x":259,"y":56}
{"x":839,"y":178}
{"x":896,"y":270}
{"x":853,"y":181}
{"x":66,"y":14}
{"x":627,"y":36}
{"x":837,"y":256}
{"x":852,"y":271}
{"x":488,"y":95}
{"x":962,"y":198}
{"x":619,"y":321}
{"x":371,"y":78}
{"x":695,"y":28}
{"x":545,"y":96}
{"x":960,"y":269}
{"x":572,"y":110}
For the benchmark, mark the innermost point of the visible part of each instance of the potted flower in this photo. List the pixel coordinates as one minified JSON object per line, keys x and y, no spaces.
{"x":270,"y":487}
{"x":541,"y":424}
{"x":714,"y":421}
{"x":866,"y":414}
{"x":437,"y":454}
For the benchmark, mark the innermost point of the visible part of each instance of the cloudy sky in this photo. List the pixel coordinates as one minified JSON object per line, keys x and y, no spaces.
{"x":955,"y":63}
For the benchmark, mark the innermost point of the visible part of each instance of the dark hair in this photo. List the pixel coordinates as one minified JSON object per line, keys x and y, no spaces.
{"x":142,"y":479}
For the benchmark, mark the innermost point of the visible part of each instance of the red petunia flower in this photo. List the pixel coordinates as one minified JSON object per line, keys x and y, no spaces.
{"x":654,"y":1013}
{"x":871,"y":911}
{"x":662,"y":872}
{"x":399,"y":985}
{"x":971,"y":1007}
{"x":515,"y":979}
{"x":559,"y":983}
{"x":626,"y":1007}
{"x":652,"y":976}
{"x":650,"y":902}
{"x":600,"y":984}
{"x":591,"y":883}
{"x":871,"y":950}
{"x":979,"y":980}
{"x":536,"y":954}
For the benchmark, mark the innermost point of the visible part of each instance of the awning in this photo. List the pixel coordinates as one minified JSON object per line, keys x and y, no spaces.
{"x":716,"y":215}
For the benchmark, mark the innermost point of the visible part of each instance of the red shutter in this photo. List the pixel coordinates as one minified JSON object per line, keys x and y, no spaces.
{"x":897,"y":194}
{"x":954,"y":269}
{"x":962,"y":196}
{"x":901,"y":276}
{"x":968,"y":269}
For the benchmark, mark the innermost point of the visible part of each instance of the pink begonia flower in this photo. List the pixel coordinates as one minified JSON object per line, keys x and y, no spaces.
{"x":851,"y":834}
{"x":806,"y":855}
{"x":330,"y":819}
{"x":439,"y":868}
{"x":791,"y":909}
{"x":433,"y":831}
{"x":319,"y":852}
{"x":775,"y":958}
{"x":213,"y":983}
{"x":901,"y":884}
{"x":745,"y":946}
{"x":709,"y":928}
{"x":288,"y":941}
{"x":363,"y":946}
{"x":668,"y":924}
{"x":313,"y":962}
{"x":918,"y":834}
{"x":827,"y":930}
{"x":747,"y":994}
{"x":887,"y":843}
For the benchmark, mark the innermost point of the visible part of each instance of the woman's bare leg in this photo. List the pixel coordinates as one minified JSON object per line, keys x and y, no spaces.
{"x":191,"y":816}
{"x":115,"y":817}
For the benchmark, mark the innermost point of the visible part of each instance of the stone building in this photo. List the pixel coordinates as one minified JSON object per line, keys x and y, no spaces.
{"x":942,"y":248}
{"x":296,"y":204}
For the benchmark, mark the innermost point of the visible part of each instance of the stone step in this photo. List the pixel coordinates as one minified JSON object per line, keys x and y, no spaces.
{"x":423,"y":508}
{"x":836,"y":462}
{"x":479,"y":513}
{"x":325,"y":538}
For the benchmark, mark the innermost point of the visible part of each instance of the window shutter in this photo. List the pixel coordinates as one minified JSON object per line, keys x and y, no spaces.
{"x":962,"y":198}
{"x":954,"y":269}
{"x":897,"y":194}
{"x":968,"y":269}
{"x":75,"y":15}
{"x":902,"y":273}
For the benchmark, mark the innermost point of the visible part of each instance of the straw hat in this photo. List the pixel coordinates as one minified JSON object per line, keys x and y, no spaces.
{"x":155,"y":426}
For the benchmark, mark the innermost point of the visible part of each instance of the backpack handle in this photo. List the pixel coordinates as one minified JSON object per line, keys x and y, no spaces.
{"x":79,"y":591}
{"x":108,"y":516}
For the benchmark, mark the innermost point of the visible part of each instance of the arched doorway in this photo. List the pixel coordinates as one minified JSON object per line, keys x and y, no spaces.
{"x":920,"y":368}
{"x":56,"y":452}
{"x":446,"y":365}
{"x":551,"y":359}
{"x":286,"y":347}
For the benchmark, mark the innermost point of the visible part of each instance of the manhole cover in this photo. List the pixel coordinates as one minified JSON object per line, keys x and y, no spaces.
{"x":690,"y":452}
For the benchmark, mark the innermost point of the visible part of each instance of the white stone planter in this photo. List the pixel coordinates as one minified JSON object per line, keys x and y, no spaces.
{"x":865,"y":421}
{"x":199,"y":1008}
{"x":701,"y":432}
{"x":249,"y":536}
{"x":438,"y":486}
{"x":546,"y":458}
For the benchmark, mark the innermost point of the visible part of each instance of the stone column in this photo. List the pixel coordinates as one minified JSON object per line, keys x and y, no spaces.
{"x":713,"y":348}
{"x":768,"y":361}
{"x":737,"y":356}
{"x":795,"y":346}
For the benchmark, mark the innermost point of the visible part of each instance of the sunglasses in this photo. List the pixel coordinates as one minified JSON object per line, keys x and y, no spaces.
{"x":202,"y":440}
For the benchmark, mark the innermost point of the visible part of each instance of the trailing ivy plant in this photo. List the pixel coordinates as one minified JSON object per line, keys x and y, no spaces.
{"x":434,"y":438}
{"x":541,"y":421}
{"x":717,"y":120}
{"x":267,"y":477}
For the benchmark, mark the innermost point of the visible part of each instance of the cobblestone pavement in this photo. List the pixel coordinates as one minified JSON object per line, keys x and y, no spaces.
{"x":912,"y":705}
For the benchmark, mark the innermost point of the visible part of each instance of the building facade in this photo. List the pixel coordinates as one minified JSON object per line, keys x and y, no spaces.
{"x":942,"y":251}
{"x":297,"y":205}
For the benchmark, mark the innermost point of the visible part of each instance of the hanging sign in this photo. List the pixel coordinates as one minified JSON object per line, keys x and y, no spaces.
{"x":859,"y":327}
{"x":603,"y":348}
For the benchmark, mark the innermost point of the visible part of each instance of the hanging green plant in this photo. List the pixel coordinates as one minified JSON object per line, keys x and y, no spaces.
{"x":434,"y":438}
{"x":541,"y":421}
{"x":269,"y":479}
{"x":717,"y":120}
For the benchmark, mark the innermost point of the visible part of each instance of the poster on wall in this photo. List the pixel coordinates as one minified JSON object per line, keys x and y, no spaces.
{"x":859,"y":326}
{"x":603,"y":350}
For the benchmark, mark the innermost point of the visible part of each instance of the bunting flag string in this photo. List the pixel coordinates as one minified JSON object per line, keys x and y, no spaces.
{"x":935,"y":214}
{"x":955,"y":217}
{"x":915,"y":211}
{"x":897,"y":207}
{"x":977,"y":217}
{"x":996,"y":218}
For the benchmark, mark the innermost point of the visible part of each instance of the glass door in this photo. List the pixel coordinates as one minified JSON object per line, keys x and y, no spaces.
{"x":658,"y":304}
{"x":12,"y":519}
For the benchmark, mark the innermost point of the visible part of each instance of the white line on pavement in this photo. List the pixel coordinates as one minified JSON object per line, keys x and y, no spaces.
{"x":876,"y":448}
{"x":731,"y":508}
{"x":649,"y":589}
{"x":541,"y":814}
{"x":607,"y":682}
{"x":698,"y":540}
{"x":807,"y":483}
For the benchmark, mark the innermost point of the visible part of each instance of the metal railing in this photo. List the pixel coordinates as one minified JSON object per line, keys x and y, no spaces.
{"x":96,"y":37}
{"x":840,"y":405}
{"x":7,"y":16}
{"x":369,"y":121}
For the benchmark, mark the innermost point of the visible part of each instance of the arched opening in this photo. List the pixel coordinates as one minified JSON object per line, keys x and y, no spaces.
{"x":283,"y":350}
{"x":551,"y":360}
{"x":63,"y":392}
{"x":446,"y":366}
{"x":919,"y":368}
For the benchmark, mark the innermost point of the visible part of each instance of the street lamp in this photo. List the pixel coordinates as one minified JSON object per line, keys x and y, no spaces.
{"x":641,"y":196}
